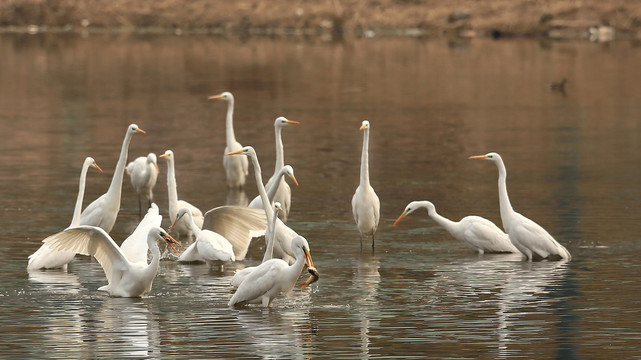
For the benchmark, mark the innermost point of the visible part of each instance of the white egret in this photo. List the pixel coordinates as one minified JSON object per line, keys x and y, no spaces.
{"x":209,"y":246}
{"x":274,"y":277}
{"x":182,"y":227}
{"x":135,"y":245}
{"x":288,"y":170}
{"x":283,"y":191}
{"x":240,"y":275}
{"x":47,"y":258}
{"x":238,"y":224}
{"x":143,"y":173}
{"x":365,"y":202}
{"x":103,"y":211}
{"x":479,"y":234}
{"x":283,"y":234}
{"x":236,"y":168}
{"x":125,"y":278}
{"x":529,"y":237}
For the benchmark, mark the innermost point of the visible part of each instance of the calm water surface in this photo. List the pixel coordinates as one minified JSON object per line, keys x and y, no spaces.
{"x":572,"y":161}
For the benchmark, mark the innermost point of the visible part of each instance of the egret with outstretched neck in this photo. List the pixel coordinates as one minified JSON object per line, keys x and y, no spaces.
{"x":365,"y":202}
{"x":182,"y":227}
{"x":47,"y":258}
{"x":283,"y":235}
{"x":283,"y":192}
{"x":104,"y":210}
{"x":479,"y":234}
{"x":236,"y":168}
{"x":529,"y":237}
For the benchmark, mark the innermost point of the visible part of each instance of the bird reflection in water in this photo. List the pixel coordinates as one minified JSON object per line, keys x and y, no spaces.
{"x":277,"y":334}
{"x":236,"y":197}
{"x":131,"y":324}
{"x":365,"y":283}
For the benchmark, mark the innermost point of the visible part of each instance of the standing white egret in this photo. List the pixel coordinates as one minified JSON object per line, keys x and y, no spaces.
{"x":143,"y":173}
{"x":240,"y":275}
{"x":209,"y":246}
{"x":45,"y":257}
{"x":529,"y":237}
{"x":365,"y":202}
{"x":183,"y":228}
{"x":125,"y":278}
{"x":479,"y":234}
{"x":104,"y":210}
{"x":283,"y":234}
{"x":283,"y":191}
{"x":236,"y":168}
{"x":288,"y":170}
{"x":274,"y":277}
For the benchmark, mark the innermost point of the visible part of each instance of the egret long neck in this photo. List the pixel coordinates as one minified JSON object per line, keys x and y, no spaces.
{"x":261,"y":188}
{"x":504,"y":200}
{"x":269,"y":237}
{"x":280,"y":152}
{"x":229,"y":123}
{"x":194,"y":228}
{"x":75,"y":220}
{"x":293,"y":272}
{"x":116,"y":182}
{"x":446,"y":223}
{"x":365,"y":158}
{"x":151,"y":270}
{"x":274,"y":188}
{"x":172,"y":189}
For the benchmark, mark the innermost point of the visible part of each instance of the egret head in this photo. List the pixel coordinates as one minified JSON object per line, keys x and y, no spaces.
{"x":364,"y":125}
{"x":227,"y":96}
{"x":492,"y":156}
{"x":283,"y":121}
{"x":133,"y":128}
{"x":168,"y":154}
{"x":289,"y":171}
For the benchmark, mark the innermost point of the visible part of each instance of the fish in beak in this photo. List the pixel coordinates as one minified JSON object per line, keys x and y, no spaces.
{"x":171,"y":241}
{"x":311,"y":269}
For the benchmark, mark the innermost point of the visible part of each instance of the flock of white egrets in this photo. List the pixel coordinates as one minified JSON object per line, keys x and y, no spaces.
{"x":223,"y":234}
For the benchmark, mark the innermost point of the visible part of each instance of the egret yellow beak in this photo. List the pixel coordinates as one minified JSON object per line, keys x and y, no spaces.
{"x":235,"y":152}
{"x":214,"y":97}
{"x":292,"y":122}
{"x":141,"y":131}
{"x":400,"y":218}
{"x":97,"y":167}
{"x":294,"y":178}
{"x":170,"y":241}
{"x":476,"y":157}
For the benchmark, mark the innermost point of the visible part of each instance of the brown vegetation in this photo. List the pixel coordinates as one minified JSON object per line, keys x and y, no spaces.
{"x":337,"y":17}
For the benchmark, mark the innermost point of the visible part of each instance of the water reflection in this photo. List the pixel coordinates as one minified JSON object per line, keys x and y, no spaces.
{"x":237,"y":197}
{"x":365,"y":285}
{"x":129,"y":325}
{"x":276,"y":334}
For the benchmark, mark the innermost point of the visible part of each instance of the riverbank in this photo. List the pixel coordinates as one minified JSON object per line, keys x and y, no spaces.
{"x":335,"y":18}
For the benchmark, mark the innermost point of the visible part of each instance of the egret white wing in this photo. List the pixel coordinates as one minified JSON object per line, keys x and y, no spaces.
{"x":237,"y":224}
{"x":94,"y":241}
{"x":135,"y":246}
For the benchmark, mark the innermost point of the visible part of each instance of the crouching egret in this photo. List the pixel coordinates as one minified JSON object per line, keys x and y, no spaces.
{"x":209,"y":246}
{"x":125,"y":278}
{"x":479,"y":234}
{"x":529,"y":237}
{"x":274,"y":277}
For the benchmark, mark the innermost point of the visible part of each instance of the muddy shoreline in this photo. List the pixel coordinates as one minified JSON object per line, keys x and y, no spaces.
{"x":333,"y":18}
